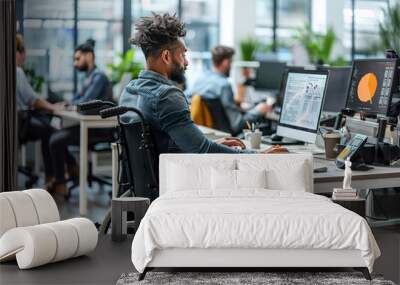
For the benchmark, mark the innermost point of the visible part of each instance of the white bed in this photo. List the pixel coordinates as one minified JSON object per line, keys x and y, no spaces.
{"x":247,"y":211}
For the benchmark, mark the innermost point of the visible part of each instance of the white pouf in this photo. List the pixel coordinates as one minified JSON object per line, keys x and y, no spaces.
{"x":31,"y":233}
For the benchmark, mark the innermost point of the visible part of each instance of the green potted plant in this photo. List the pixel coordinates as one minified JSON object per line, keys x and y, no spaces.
{"x":125,"y":66}
{"x":317,"y":45}
{"x":389,"y":28}
{"x":248,"y":47}
{"x":35,"y":80}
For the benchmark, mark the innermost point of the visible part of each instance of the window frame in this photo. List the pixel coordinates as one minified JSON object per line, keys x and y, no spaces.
{"x":126,"y":21}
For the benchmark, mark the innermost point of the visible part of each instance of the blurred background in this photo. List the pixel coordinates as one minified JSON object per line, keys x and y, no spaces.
{"x":297,"y":32}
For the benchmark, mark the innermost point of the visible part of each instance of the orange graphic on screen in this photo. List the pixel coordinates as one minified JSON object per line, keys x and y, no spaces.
{"x":367,"y":87}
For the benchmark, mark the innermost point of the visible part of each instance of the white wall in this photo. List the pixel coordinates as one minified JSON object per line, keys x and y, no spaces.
{"x":237,"y":21}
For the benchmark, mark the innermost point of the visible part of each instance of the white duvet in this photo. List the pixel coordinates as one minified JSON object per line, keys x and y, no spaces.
{"x":250,"y":219}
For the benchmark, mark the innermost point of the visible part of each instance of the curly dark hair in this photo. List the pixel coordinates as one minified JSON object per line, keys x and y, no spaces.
{"x":157,"y":32}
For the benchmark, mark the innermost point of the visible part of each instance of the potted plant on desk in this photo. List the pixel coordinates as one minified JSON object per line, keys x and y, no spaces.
{"x":248,"y":48}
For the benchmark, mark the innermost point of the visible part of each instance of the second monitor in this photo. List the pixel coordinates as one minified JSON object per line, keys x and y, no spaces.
{"x":269,"y":75}
{"x":303,"y":100}
{"x":372,"y":83}
{"x":336,"y":90}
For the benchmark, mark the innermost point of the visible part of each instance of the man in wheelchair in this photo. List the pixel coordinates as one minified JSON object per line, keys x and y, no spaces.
{"x":163,"y":105}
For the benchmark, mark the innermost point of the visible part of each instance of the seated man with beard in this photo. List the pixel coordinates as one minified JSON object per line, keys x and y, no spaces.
{"x":163,"y":105}
{"x":214,"y":84}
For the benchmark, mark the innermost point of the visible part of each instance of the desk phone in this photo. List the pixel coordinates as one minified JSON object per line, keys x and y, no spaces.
{"x":351,"y":149}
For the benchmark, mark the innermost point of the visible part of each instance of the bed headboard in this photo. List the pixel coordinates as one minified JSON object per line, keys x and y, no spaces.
{"x":295,"y":169}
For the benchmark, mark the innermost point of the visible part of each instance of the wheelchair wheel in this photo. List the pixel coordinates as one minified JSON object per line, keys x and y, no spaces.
{"x":105,"y":224}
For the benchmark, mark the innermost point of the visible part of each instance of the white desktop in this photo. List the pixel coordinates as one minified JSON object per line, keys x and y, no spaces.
{"x":304,"y":93}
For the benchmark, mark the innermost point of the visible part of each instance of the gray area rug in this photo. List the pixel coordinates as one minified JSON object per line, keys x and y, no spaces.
{"x":243,"y":278}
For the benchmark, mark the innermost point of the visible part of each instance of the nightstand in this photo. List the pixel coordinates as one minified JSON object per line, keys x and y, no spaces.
{"x":356,"y":205}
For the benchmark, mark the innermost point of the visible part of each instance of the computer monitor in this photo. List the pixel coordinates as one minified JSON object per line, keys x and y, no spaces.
{"x":336,"y":90}
{"x":303,"y":99}
{"x":372,"y":83}
{"x":269,"y":75}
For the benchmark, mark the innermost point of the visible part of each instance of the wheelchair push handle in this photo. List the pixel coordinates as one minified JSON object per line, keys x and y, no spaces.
{"x":94,"y":104}
{"x":120,"y":110}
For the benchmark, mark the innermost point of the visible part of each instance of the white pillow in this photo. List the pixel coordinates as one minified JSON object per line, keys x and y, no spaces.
{"x":237,"y":179}
{"x":251,"y":178}
{"x":282,"y":173}
{"x":186,"y":176}
{"x":278,"y":179}
{"x":223,"y":179}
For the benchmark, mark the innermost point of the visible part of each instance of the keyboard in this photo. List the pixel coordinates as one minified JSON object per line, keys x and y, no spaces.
{"x":313,"y":149}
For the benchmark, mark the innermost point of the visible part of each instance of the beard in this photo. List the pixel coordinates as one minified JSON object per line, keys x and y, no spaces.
{"x":178,"y":74}
{"x":84,"y":67}
{"x":227,"y":72}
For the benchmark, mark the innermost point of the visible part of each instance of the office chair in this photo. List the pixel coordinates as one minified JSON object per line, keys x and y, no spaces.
{"x":101,"y":179}
{"x":28,"y":173}
{"x":220,"y":119}
{"x":23,"y":119}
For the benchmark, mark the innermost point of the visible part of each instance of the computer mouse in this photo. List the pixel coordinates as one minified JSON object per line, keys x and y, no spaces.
{"x":276,"y":138}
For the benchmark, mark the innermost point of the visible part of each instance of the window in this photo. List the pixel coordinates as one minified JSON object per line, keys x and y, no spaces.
{"x":101,"y":20}
{"x":142,"y":8}
{"x":49,"y":40}
{"x":367,"y":15}
{"x":52,"y":29}
{"x":277,"y":21}
{"x":201,"y":18}
{"x":265,"y":20}
{"x":291,"y":15}
{"x":202,"y":24}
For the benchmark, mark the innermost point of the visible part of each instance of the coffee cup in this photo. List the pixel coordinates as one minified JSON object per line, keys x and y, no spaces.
{"x":331,"y":140}
{"x":254,"y":138}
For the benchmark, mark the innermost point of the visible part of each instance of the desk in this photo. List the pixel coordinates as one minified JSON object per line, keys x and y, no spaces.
{"x":213,"y":134}
{"x":86,"y":122}
{"x":378,"y":177}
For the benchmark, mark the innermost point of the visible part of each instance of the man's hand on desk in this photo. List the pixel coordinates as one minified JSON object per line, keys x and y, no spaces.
{"x":60,"y":106}
{"x":274,"y":149}
{"x":231,"y":142}
{"x":263,"y":108}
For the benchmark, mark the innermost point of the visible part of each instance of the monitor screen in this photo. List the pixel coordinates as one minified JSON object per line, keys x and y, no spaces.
{"x":336,"y":90}
{"x":371,"y":85}
{"x":269,"y":75}
{"x":304,"y":93}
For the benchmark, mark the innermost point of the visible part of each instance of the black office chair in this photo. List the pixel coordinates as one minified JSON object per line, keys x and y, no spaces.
{"x":220,"y":119}
{"x":23,"y":119}
{"x":100,"y":179}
